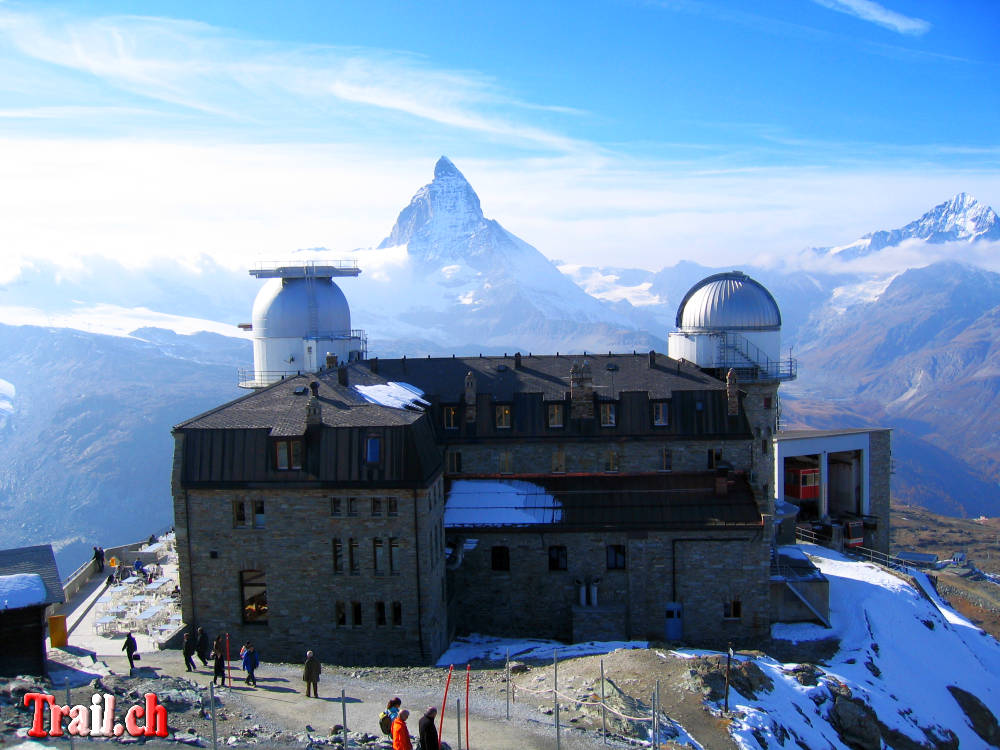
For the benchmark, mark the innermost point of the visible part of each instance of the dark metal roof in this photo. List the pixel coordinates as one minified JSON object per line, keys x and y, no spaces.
{"x":443,"y":378}
{"x":799,"y":434}
{"x":38,"y":560}
{"x":281,"y":408}
{"x":662,"y":501}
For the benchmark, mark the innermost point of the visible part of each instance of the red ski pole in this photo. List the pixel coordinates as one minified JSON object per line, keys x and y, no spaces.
{"x":444,"y":703}
{"x":468,"y":678}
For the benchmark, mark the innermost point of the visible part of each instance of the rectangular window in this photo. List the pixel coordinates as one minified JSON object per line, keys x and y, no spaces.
{"x":767,"y":402}
{"x":616,"y":557}
{"x":253,"y":595}
{"x":559,"y":461}
{"x":397,"y":614}
{"x":376,"y":506}
{"x":380,"y":614}
{"x":378,"y":552}
{"x":450,"y":415}
{"x":454,"y":462}
{"x":611,"y":461}
{"x":555,"y":415}
{"x":394,"y":556}
{"x":500,"y":557}
{"x":258,"y":514}
{"x":355,"y":614}
{"x":666,"y":459}
{"x":288,"y":454}
{"x":557,"y":558}
{"x":352,"y":556}
{"x":763,"y":446}
{"x":391,"y":506}
{"x":239,"y":515}
{"x":373,"y":450}
{"x":607,"y":415}
{"x":714,"y":456}
{"x":352,"y":506}
{"x":340,"y":613}
{"x":505,"y":462}
{"x":338,"y":556}
{"x":336,"y":506}
{"x":503,"y":416}
{"x":661,"y":413}
{"x":732,"y":610}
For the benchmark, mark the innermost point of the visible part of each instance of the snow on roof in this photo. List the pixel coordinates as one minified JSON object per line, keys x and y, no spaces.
{"x":784,"y":508}
{"x":499,"y":503}
{"x":475,"y":646}
{"x":21,"y":590}
{"x":393,"y":394}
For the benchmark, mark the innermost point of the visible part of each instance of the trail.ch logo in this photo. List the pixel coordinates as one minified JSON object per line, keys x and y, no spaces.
{"x":97,"y":719}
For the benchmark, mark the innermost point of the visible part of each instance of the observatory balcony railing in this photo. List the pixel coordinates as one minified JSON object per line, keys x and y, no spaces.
{"x":304,"y":268}
{"x":750,"y":363}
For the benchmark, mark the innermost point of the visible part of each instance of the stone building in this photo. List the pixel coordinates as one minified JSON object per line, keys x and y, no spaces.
{"x":370,"y":508}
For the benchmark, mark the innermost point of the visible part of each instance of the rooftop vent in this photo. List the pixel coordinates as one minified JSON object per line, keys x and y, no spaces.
{"x":612,"y":367}
{"x":501,"y":368}
{"x":300,"y":389}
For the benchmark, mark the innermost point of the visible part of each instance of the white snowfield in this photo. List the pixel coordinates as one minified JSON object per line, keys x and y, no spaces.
{"x":21,"y":590}
{"x":918,"y":648}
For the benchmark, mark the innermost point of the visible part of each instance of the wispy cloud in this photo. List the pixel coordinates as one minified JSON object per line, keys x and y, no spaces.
{"x":868,"y":10}
{"x":190,"y":67}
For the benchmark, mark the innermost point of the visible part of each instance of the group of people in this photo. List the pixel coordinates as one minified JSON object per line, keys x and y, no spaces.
{"x":198,"y":646}
{"x":392,"y":722}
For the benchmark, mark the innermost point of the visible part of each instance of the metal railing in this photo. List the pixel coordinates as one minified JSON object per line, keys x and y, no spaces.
{"x":750,"y":363}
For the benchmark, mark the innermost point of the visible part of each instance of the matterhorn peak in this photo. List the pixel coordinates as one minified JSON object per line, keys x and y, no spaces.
{"x":445,"y":208}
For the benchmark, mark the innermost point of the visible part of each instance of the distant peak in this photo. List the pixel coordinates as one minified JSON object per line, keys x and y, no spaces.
{"x":444,"y":168}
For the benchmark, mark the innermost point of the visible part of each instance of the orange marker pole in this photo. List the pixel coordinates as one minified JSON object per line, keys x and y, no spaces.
{"x":444,"y":703}
{"x":468,"y":679}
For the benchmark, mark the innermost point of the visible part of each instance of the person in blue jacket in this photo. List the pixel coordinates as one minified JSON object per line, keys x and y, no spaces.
{"x":251,"y":660}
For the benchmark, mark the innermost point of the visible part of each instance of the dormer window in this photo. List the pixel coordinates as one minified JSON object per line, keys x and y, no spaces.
{"x":288,"y":455}
{"x":449,"y":415}
{"x":608,"y":415}
{"x":555,"y":415}
{"x":661,"y":413}
{"x":373,"y":449}
{"x":503,"y":416}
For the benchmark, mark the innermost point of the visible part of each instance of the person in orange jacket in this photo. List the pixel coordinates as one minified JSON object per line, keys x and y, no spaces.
{"x":400,"y":734}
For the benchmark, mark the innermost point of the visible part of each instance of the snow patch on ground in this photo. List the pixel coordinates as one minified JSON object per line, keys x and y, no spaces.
{"x":484,"y":647}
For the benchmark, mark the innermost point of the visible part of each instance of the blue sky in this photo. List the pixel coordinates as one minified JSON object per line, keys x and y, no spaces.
{"x":633,"y":133}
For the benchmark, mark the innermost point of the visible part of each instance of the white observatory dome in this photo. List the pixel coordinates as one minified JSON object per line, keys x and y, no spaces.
{"x":282,"y":309}
{"x":729,"y":301}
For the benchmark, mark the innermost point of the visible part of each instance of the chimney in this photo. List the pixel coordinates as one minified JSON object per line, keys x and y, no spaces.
{"x":470,"y":397}
{"x":342,"y":375}
{"x":517,"y":360}
{"x":331,"y":361}
{"x":373,"y":365}
{"x":314,"y":411}
{"x":732,"y":395}
{"x":652,"y":359}
{"x":581,"y":391}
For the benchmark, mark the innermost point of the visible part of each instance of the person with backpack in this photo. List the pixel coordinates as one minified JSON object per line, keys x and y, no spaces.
{"x":388,"y":716}
{"x":251,"y":660}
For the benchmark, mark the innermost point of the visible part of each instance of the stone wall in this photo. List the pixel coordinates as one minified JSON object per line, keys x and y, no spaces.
{"x":294,"y":550}
{"x":763,"y":424}
{"x":634,"y":456}
{"x":879,"y":490}
{"x":708,"y":567}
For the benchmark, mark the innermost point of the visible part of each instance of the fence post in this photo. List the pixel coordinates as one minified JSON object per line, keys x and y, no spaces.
{"x":507,"y":682}
{"x":458,"y":720}
{"x":343,"y":705}
{"x":211,"y":703}
{"x":604,"y":708}
{"x":555,"y":692}
{"x":70,"y":703}
{"x":468,"y":679}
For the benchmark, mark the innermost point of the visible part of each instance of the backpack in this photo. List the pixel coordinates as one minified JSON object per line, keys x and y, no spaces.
{"x":385,"y":723}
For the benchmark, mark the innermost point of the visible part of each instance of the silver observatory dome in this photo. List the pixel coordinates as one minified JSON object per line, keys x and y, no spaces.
{"x":728,"y":301}
{"x":282,"y":309}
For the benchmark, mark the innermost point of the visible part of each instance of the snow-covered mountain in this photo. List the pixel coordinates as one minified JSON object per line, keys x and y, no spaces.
{"x":961,"y":219}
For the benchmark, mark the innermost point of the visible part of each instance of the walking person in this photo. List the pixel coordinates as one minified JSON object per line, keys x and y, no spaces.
{"x":201,"y":646}
{"x":250,"y":662}
{"x":188,"y":649}
{"x":99,"y":559}
{"x":428,"y":732}
{"x":130,"y":647}
{"x":310,"y":674}
{"x":400,"y":734}
{"x":388,"y":716}
{"x":218,"y":662}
